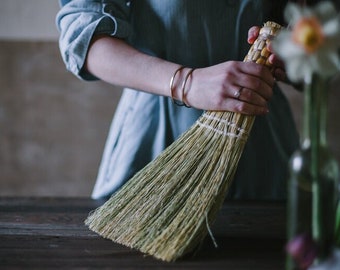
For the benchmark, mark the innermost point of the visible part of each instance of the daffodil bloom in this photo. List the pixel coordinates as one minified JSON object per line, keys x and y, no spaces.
{"x":308,"y":34}
{"x":311,"y":42}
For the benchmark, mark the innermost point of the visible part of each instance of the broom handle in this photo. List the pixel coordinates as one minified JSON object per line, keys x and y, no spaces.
{"x":259,"y":54}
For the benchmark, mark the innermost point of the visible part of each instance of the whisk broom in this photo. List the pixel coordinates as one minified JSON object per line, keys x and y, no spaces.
{"x":166,"y":208}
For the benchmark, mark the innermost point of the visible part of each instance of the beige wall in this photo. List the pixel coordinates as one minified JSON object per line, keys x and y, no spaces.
{"x":52,"y":125}
{"x":29,"y":20}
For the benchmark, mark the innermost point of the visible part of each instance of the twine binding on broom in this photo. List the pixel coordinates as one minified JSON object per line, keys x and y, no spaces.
{"x":166,"y":208}
{"x":223,"y":127}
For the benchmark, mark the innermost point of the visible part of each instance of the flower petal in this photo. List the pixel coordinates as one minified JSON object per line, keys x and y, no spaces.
{"x":298,"y":69}
{"x":292,"y":13}
{"x":326,"y":63}
{"x":324,"y":10}
{"x":303,"y":250}
{"x":331,"y":28}
{"x":285,"y":47}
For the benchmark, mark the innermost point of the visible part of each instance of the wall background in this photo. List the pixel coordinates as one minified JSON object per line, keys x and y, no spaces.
{"x":52,"y":125}
{"x":33,"y":20}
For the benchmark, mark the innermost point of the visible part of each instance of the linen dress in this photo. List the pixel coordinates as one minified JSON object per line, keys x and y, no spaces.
{"x":193,"y":33}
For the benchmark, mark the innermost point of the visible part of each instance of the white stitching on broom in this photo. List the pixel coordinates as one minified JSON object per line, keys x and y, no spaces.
{"x":231,"y":124}
{"x":222,"y":130}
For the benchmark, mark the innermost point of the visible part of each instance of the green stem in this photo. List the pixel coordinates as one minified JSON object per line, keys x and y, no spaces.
{"x":322,"y":200}
{"x":314,"y":136}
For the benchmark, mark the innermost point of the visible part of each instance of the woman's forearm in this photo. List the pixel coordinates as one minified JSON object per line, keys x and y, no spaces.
{"x":114,"y":61}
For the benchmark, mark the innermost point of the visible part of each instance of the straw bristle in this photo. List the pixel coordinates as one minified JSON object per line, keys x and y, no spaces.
{"x":166,"y":208}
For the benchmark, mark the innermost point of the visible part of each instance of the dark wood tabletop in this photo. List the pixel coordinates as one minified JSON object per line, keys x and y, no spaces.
{"x":45,"y":233}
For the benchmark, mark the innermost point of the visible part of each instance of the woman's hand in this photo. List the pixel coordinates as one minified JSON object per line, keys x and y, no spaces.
{"x":231,"y":86}
{"x":236,"y":86}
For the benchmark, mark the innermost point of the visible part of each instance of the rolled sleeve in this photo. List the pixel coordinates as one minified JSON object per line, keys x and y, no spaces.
{"x":79,"y":20}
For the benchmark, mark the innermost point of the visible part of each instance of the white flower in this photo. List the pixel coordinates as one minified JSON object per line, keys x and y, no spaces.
{"x":311,"y":43}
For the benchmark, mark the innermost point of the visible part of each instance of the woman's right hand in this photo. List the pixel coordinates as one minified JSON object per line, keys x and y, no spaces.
{"x":231,"y":86}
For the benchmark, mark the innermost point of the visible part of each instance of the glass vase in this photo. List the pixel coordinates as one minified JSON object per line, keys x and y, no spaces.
{"x":313,"y":184}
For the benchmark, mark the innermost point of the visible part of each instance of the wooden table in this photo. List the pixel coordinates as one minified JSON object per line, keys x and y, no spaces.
{"x":44,"y":233}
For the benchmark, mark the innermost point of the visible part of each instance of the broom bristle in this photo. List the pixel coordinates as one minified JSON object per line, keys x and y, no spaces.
{"x":166,"y":208}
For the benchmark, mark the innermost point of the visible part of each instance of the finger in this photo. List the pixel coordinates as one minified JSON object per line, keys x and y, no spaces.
{"x":278,"y":70}
{"x":250,"y":96}
{"x":279,"y":74}
{"x":276,"y":61}
{"x":245,"y":108}
{"x":258,"y":71}
{"x":259,"y":82}
{"x":253,"y":34}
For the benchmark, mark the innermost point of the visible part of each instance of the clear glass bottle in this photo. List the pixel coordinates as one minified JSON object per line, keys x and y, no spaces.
{"x":314,"y":176}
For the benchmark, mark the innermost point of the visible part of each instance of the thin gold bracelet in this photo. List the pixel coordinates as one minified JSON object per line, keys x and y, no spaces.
{"x":185,"y":102}
{"x":172,"y":80}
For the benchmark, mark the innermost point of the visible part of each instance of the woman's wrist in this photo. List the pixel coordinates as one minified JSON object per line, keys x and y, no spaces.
{"x":179,"y":85}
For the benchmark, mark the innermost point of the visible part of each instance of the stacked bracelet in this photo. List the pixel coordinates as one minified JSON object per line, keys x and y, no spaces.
{"x":172,"y":85}
{"x":185,"y":102}
{"x":172,"y":80}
